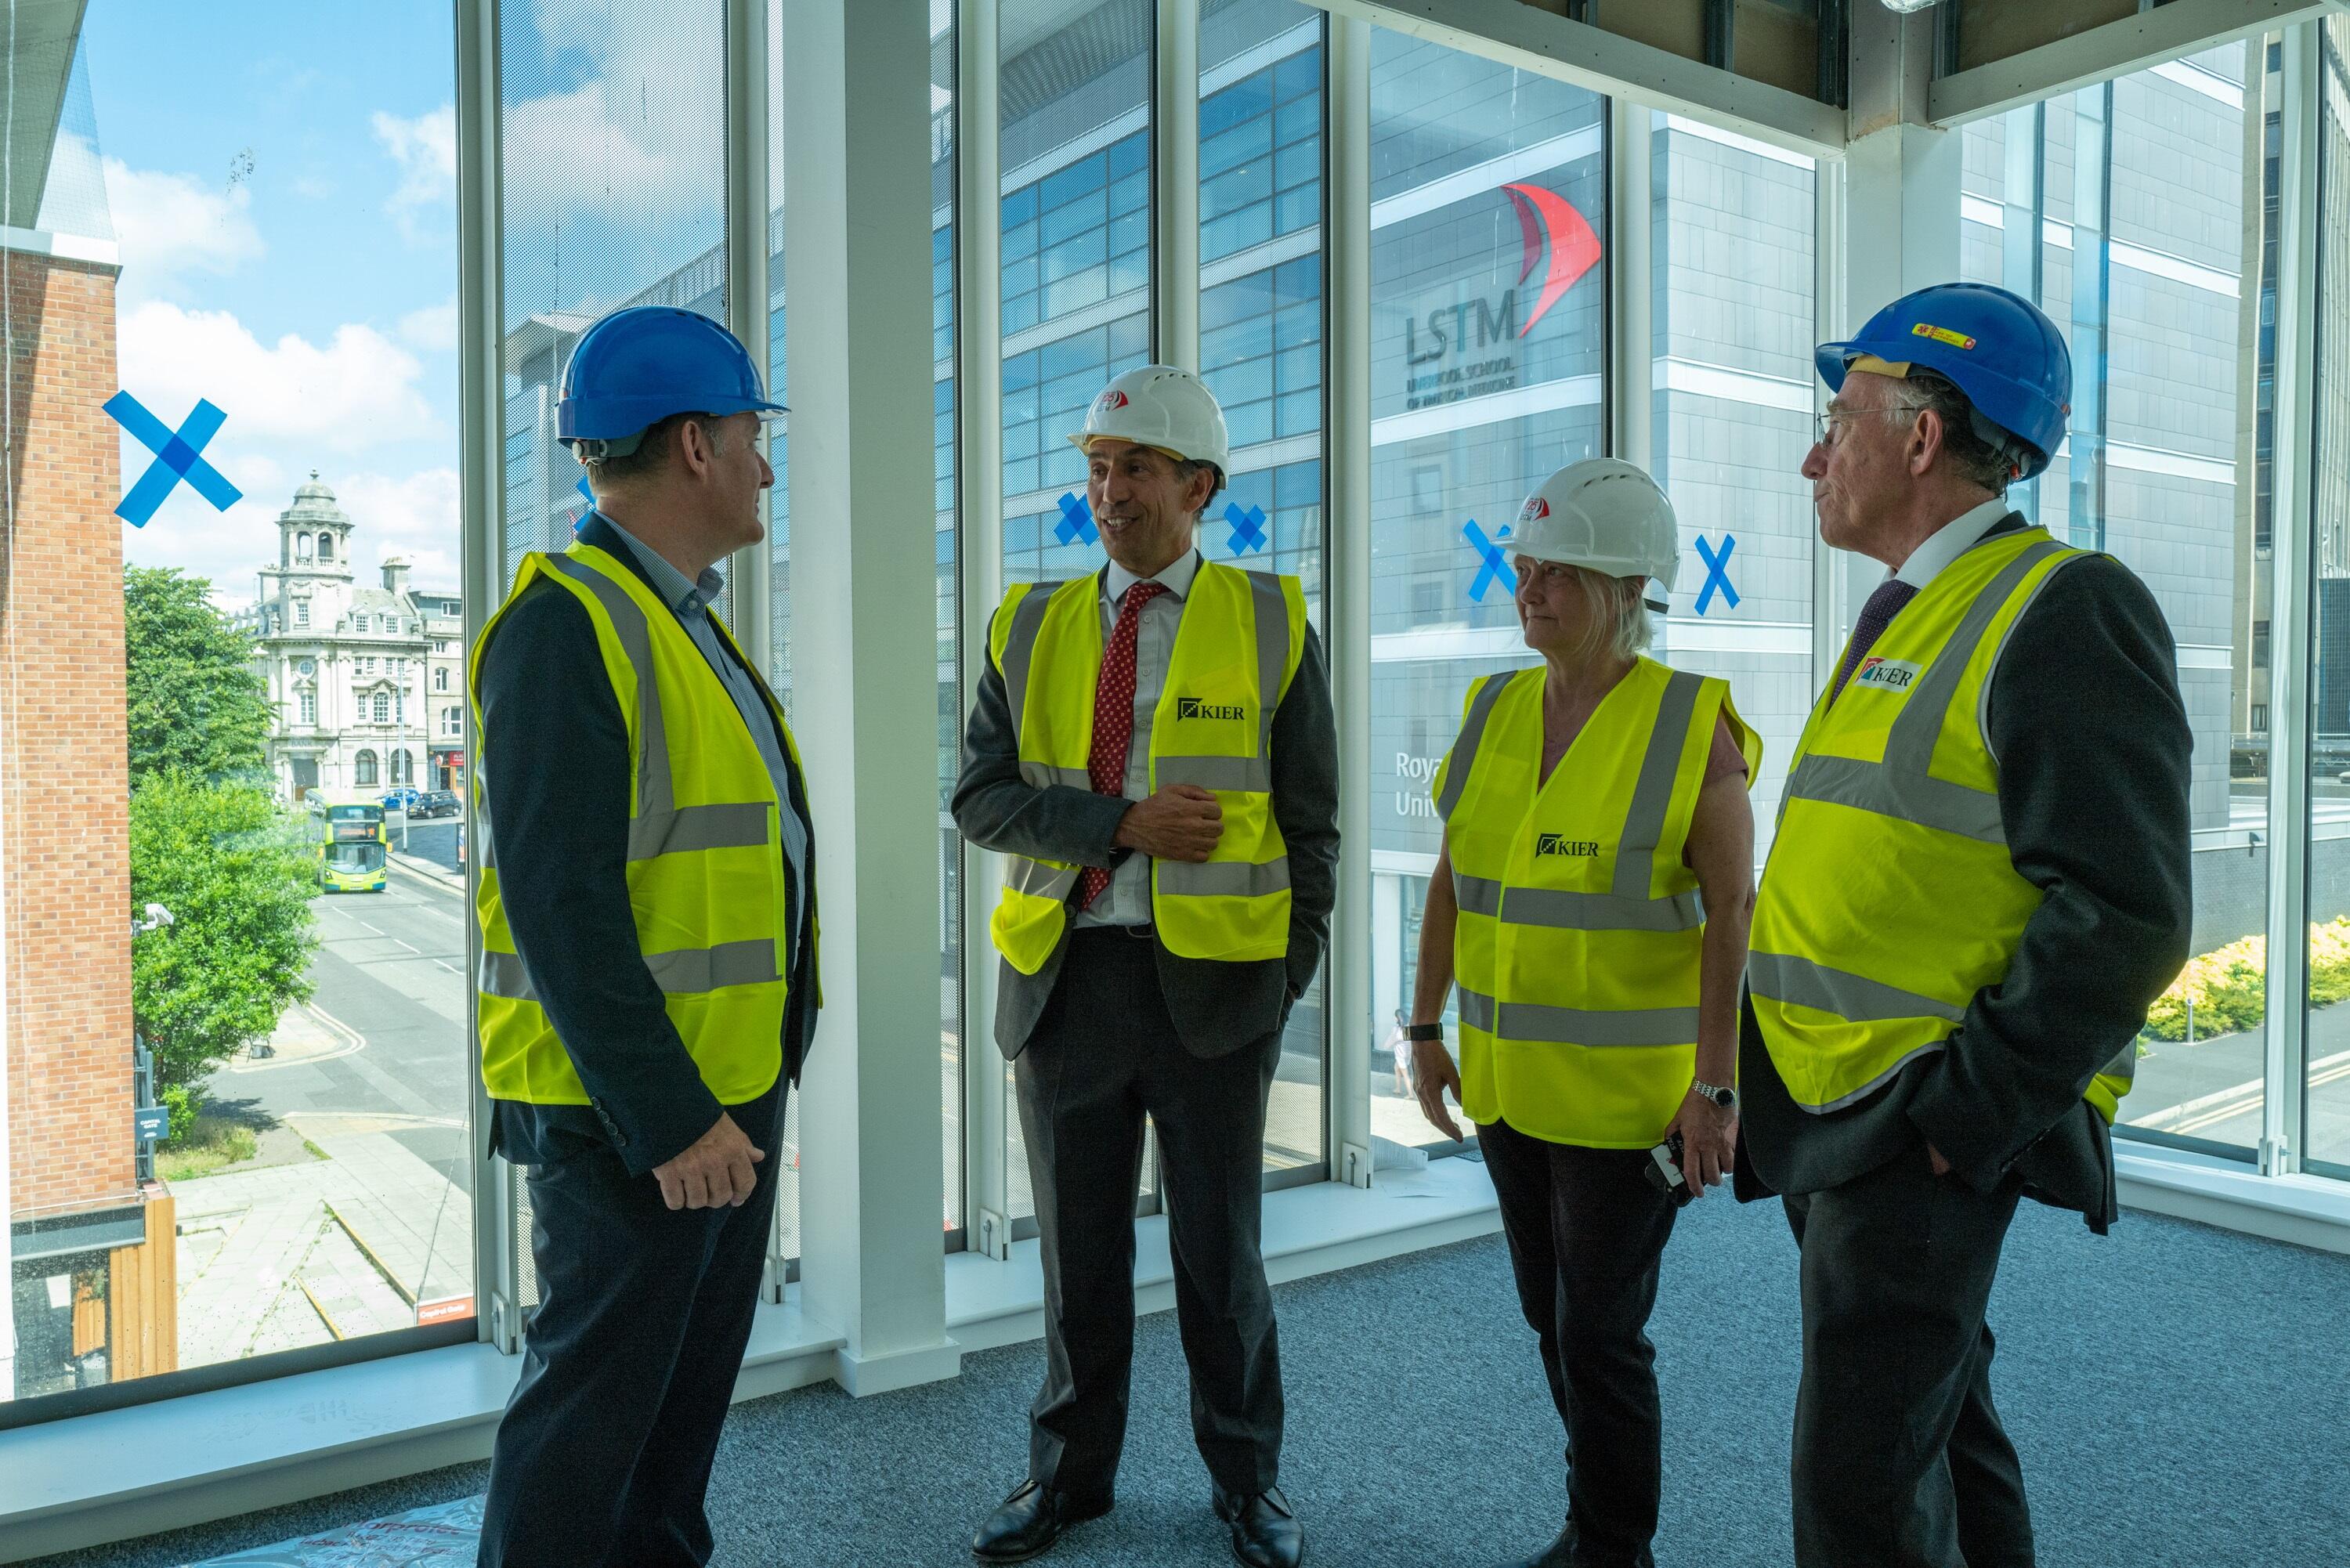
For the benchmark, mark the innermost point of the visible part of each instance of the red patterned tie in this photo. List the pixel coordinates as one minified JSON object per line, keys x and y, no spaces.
{"x":1114,"y":718}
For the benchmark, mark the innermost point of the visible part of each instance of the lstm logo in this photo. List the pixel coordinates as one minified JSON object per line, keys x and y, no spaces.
{"x":1548,"y":222}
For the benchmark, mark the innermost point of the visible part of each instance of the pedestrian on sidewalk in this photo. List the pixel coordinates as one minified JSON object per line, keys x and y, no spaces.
{"x":648,"y":987}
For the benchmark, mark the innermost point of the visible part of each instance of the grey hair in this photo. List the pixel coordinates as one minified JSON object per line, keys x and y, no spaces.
{"x":1619,"y":627}
{"x":649,"y":448}
{"x":1978,"y":449}
{"x":1186,"y":467}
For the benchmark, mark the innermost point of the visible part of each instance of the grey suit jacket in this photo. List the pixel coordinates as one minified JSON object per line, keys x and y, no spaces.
{"x":1217,"y":1007}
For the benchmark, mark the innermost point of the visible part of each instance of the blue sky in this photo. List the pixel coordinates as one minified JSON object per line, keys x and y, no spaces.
{"x":280,"y":177}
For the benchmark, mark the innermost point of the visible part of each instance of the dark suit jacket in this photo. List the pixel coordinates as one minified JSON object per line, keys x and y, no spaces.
{"x":555,"y":767}
{"x":2091,"y":735}
{"x":1217,"y":1007}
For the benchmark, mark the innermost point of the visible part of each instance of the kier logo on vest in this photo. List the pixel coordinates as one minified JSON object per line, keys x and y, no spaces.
{"x":1887,"y":674}
{"x":1193,"y":707}
{"x":1560,"y":844}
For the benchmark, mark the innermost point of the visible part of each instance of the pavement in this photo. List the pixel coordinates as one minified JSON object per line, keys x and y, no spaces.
{"x":2214,"y":1088}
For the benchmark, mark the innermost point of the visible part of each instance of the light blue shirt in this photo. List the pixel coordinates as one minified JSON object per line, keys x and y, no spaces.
{"x":1126,"y":900}
{"x":691,"y":601}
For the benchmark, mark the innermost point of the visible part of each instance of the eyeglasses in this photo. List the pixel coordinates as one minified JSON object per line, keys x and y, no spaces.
{"x":1824,"y":423}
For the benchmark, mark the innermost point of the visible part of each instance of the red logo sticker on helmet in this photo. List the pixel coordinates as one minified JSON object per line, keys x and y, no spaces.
{"x":1113,"y":398}
{"x":1535,"y":507}
{"x":1942,"y":335}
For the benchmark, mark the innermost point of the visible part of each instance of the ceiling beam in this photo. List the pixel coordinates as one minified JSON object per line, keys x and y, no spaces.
{"x":2115,"y":48}
{"x":1515,"y":34}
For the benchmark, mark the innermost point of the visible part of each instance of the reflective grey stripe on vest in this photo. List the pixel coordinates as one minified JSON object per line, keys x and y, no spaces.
{"x":1237,"y":774}
{"x":1783,"y":977}
{"x":1473,"y":735}
{"x":1043,"y":775}
{"x":1272,"y":653}
{"x":1564,"y":910}
{"x":1222,"y":879}
{"x":1575,"y":1026}
{"x":685,"y":972}
{"x":738,"y":826}
{"x":655,"y":794}
{"x":1652,"y":795}
{"x":1902,"y":786}
{"x":1019,"y":648}
{"x":1038,"y":878}
{"x":503,"y":974}
{"x":2123,"y":1066}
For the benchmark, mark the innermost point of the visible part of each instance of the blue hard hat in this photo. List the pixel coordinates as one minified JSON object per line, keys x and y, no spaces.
{"x":637,"y":366}
{"x":1995,"y":347}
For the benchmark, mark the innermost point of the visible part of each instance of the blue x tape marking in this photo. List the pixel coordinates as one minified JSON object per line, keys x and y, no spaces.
{"x":176,"y":458}
{"x":1077,"y":520}
{"x":1717,"y":574}
{"x":1248,"y":527}
{"x":1495,"y":567}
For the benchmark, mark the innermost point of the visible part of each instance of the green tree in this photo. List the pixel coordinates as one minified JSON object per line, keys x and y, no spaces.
{"x":195,"y":704}
{"x":238,"y":875}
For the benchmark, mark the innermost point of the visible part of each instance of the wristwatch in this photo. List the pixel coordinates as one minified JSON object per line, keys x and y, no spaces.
{"x":1423,"y":1030}
{"x":1726,"y":1098}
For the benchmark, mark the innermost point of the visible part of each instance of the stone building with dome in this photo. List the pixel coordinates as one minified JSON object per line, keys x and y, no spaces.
{"x":368,"y":680}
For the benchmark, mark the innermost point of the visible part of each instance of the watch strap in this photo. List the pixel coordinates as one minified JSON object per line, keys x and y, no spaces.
{"x":1423,"y":1030}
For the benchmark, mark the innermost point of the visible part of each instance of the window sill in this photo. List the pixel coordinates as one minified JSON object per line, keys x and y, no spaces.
{"x":2307,"y":1210}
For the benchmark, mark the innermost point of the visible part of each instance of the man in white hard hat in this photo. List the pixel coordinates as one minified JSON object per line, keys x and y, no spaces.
{"x":1590,"y":900}
{"x":1153,"y":753}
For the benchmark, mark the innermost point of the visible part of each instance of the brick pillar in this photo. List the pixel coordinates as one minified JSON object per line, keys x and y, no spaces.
{"x":65,"y":853}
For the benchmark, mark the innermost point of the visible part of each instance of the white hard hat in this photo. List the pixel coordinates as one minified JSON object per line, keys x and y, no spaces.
{"x":1162,"y":407}
{"x":1605,"y":515}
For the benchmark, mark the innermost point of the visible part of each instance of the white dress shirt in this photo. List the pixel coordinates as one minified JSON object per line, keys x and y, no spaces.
{"x":1950,"y":541}
{"x":1126,"y":900}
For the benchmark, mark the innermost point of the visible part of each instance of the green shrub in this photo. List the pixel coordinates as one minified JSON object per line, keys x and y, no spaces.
{"x":2227,"y":987}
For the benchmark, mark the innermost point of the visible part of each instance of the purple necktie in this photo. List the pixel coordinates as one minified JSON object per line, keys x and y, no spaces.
{"x":1874,"y":616}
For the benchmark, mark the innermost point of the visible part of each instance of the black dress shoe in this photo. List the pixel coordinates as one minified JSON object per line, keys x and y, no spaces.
{"x":1029,"y":1521}
{"x":1265,"y":1533}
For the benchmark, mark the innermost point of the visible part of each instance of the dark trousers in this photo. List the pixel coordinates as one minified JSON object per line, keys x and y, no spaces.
{"x":1586,"y":1234}
{"x":1104,"y":1054}
{"x":1900,"y":1460}
{"x":629,"y":1364}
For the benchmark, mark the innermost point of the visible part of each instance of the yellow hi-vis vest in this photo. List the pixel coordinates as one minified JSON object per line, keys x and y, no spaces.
{"x":705,"y":870}
{"x":1578,"y":945}
{"x":1889,"y":900}
{"x":1236,"y":648}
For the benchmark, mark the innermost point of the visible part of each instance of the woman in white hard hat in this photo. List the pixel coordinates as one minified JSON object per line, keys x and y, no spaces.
{"x":1592,"y":900}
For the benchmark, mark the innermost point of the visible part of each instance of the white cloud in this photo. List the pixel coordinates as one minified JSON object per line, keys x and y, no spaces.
{"x":355,"y":392}
{"x":413,"y":517}
{"x":172,"y":224}
{"x":425,"y":148}
{"x":432,"y":328}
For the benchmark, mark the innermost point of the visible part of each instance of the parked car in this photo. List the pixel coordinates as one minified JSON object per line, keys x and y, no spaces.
{"x":437,"y":803}
{"x":401,"y":797}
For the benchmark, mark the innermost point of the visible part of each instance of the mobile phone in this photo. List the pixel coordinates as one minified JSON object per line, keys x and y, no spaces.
{"x":1665,"y":1173}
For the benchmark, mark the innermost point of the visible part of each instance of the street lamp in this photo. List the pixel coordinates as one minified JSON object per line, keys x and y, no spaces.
{"x":157,"y":917}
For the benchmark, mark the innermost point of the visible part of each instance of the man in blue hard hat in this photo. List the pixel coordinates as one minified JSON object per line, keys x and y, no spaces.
{"x":1978,"y":885}
{"x":647,"y":991}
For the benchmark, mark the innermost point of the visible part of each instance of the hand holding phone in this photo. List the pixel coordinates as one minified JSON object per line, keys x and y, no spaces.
{"x":1664,"y":1170}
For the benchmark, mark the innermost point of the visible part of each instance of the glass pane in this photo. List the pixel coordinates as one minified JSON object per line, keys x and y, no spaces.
{"x":1260,"y":354}
{"x":1487,"y":375}
{"x":950,"y":588}
{"x":1075,"y":140}
{"x":2326,"y":1140}
{"x":238,"y":1122}
{"x":2125,"y":209}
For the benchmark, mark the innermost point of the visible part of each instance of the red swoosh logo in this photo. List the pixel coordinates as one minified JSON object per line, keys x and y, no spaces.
{"x":1574,"y":248}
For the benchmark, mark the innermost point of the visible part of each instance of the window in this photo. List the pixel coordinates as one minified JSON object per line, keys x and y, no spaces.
{"x":309,"y":707}
{"x":1483,"y":384}
{"x":399,"y":706}
{"x":305,"y":666}
{"x":451,"y":723}
{"x":363,"y":769}
{"x":403,"y":767}
{"x":441,"y":680}
{"x":301,"y":612}
{"x":383,"y":707}
{"x":2125,"y":203}
{"x":325,"y":546}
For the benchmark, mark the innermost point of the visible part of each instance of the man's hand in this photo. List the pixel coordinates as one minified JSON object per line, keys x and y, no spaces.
{"x":1182,"y":821}
{"x":1708,"y":1142}
{"x":1433,"y":1073}
{"x":715,"y":1170}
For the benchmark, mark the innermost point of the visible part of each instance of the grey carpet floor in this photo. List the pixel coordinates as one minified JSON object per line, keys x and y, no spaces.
{"x":2181,"y":1395}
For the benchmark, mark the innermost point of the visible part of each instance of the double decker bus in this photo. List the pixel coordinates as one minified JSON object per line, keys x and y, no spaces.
{"x":351,"y":840}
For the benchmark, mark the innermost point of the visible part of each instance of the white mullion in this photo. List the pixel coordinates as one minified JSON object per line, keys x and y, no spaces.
{"x":481,"y":549}
{"x":751,"y":574}
{"x":1630,"y":286}
{"x":1828,"y":323}
{"x":1346,"y":239}
{"x":1175,"y":183}
{"x":979,"y":556}
{"x":2293,"y":631}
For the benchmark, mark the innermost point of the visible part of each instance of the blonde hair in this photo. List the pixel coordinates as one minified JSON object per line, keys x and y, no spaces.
{"x":1619,"y":626}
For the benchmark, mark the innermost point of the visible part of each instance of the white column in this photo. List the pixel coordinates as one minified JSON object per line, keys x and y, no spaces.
{"x":1346,"y":244}
{"x":979,"y":475}
{"x":751,"y":573}
{"x":856,"y":95}
{"x":1175,"y":164}
{"x":1630,"y":285}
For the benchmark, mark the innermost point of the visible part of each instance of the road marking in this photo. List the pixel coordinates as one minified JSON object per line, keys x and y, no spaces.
{"x":2225,"y":1105}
